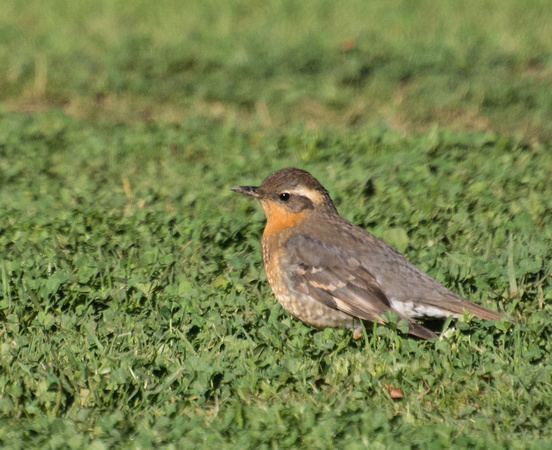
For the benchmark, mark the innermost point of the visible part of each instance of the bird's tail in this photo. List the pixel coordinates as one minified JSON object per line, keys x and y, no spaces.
{"x":457,"y":306}
{"x":416,"y":329}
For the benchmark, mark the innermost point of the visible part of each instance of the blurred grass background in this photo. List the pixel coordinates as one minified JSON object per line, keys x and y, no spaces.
{"x":134,"y":310}
{"x":406,"y":65}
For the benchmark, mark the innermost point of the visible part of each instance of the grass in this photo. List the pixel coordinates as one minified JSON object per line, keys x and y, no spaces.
{"x":472,"y":66}
{"x":134,"y":307}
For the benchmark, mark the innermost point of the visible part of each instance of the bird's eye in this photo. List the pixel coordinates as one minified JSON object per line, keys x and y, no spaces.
{"x":285,"y":196}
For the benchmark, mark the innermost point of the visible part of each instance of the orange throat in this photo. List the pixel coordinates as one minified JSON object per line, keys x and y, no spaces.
{"x":278,"y":218}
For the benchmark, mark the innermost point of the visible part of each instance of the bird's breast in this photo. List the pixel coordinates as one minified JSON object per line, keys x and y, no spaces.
{"x":278,"y":218}
{"x":299,"y":304}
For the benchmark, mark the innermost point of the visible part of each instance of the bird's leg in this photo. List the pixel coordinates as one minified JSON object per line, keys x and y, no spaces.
{"x":357,"y":331}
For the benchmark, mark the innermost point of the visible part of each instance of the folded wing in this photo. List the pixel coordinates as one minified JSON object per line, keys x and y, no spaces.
{"x":336,"y":278}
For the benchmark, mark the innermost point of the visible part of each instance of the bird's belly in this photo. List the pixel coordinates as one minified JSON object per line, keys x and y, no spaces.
{"x":312,"y":312}
{"x":301,"y":305}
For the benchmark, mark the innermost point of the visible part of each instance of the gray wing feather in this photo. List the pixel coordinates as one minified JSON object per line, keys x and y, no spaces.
{"x":335,"y":278}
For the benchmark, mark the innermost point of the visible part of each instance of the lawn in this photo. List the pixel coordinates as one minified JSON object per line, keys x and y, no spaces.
{"x":134,"y":308}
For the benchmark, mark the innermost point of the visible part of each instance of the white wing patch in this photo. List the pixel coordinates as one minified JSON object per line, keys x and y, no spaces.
{"x":328,"y":286}
{"x":417,"y":311}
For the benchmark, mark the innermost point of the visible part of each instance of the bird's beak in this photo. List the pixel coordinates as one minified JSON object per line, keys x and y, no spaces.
{"x":247,"y":190}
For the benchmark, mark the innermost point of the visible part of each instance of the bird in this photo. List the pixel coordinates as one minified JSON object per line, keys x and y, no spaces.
{"x":329,"y":272}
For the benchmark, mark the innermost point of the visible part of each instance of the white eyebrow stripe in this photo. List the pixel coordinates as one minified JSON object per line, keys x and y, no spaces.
{"x":311,"y":194}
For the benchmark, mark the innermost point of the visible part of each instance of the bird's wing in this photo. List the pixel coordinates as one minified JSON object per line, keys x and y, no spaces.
{"x":335,"y":278}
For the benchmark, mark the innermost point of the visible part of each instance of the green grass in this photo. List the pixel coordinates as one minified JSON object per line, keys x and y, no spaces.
{"x":134,"y":309}
{"x":472,"y":66}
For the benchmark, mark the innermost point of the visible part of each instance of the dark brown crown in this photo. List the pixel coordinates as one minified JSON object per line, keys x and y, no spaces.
{"x":291,"y":178}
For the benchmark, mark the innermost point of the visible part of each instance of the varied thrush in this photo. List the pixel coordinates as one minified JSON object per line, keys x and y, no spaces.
{"x":329,"y":272}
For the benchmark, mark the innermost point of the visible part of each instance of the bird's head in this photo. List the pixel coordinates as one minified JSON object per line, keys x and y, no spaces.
{"x":289,"y":196}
